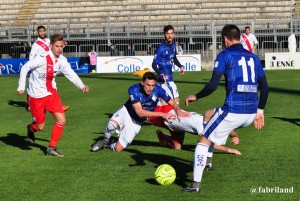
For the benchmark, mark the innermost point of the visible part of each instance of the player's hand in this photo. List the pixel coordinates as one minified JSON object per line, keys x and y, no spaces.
{"x":20,"y":92}
{"x":182,"y":70}
{"x":168,"y":116}
{"x":259,"y":120}
{"x":234,"y":151}
{"x":235,"y":140}
{"x":190,"y":98}
{"x":85,"y":89}
{"x":1,"y":66}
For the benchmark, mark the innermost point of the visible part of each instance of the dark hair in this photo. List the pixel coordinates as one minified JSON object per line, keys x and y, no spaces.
{"x":247,"y":27}
{"x":56,"y":37}
{"x":149,"y":76}
{"x":231,"y":31}
{"x":167,"y":28}
{"x":40,"y":27}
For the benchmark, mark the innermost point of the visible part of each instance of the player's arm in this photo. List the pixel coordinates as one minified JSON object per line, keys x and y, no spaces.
{"x":180,"y":113}
{"x":145,"y":113}
{"x":227,"y":149}
{"x":33,"y":51}
{"x":177,"y":63}
{"x":73,"y":77}
{"x":259,"y":120}
{"x":35,"y":63}
{"x":207,"y":90}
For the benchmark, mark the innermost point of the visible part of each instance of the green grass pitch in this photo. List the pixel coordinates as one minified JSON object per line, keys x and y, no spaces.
{"x":270,"y":156}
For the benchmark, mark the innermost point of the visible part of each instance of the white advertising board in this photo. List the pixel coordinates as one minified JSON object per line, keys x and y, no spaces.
{"x":133,"y":63}
{"x":284,"y":60}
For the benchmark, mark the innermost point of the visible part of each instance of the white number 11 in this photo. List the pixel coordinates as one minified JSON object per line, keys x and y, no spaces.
{"x":244,"y":65}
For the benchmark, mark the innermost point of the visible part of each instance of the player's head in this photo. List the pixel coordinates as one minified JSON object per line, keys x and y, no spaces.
{"x":247,"y":30}
{"x":230,"y":35}
{"x":148,"y":82}
{"x":169,"y":33}
{"x":41,"y":31}
{"x":57,"y":44}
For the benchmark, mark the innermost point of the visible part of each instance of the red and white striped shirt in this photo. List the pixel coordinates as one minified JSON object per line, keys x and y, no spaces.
{"x":39,"y":47}
{"x":44,"y":68}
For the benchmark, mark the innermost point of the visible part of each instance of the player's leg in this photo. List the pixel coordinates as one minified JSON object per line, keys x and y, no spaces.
{"x":177,"y":139}
{"x":115,"y":123}
{"x":164,"y":140}
{"x":55,"y":107}
{"x":127,"y":134}
{"x":39,"y":116}
{"x":110,"y":129}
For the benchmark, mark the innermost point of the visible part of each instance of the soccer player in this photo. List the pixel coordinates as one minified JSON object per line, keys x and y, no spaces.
{"x":42,"y":46}
{"x":143,"y":98}
{"x":243,"y":75}
{"x":248,"y":40}
{"x":42,"y":92}
{"x":164,"y":58}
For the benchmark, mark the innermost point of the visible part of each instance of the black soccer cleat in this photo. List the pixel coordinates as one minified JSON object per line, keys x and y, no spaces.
{"x":194,"y":187}
{"x":30,"y":135}
{"x":100,"y":145}
{"x":51,"y":151}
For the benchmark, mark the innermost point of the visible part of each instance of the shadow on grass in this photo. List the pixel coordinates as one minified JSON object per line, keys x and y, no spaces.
{"x":20,"y":142}
{"x":181,"y":166}
{"x":293,"y":121}
{"x":18,"y":104}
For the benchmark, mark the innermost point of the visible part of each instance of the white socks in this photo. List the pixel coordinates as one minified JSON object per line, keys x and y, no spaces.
{"x":109,"y":130}
{"x":200,"y":161}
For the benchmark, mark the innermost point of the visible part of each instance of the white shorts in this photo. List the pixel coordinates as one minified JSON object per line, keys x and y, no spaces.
{"x":170,"y":88}
{"x":129,"y":128}
{"x":222,"y":123}
{"x":192,"y":124}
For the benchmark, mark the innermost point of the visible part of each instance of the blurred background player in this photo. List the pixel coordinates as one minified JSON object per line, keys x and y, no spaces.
{"x":42,"y":91}
{"x":40,"y":47}
{"x":143,"y":98}
{"x":93,"y":61}
{"x":244,"y":74}
{"x":248,"y":40}
{"x":164,"y":58}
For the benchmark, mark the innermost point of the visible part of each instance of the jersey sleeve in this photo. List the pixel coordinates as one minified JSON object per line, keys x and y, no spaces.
{"x":71,"y":75}
{"x":133,"y":95}
{"x":220,"y":63}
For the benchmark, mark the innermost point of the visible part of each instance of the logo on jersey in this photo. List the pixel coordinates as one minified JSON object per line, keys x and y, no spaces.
{"x":216,"y":64}
{"x":154,"y":98}
{"x":131,"y":97}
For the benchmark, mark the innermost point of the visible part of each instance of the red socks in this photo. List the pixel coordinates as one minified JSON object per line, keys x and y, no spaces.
{"x":57,"y":131}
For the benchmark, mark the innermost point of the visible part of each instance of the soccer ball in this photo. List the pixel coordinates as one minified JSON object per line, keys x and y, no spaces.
{"x":165,"y":174}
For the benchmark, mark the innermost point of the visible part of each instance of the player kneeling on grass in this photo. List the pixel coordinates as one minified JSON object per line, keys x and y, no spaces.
{"x":193,"y":124}
{"x":143,"y":98}
{"x":42,"y":92}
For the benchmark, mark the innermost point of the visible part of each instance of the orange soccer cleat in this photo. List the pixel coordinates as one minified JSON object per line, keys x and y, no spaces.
{"x":140,"y":73}
{"x":66,"y":107}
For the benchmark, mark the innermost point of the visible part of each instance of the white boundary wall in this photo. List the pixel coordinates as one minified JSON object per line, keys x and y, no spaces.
{"x":191,"y":62}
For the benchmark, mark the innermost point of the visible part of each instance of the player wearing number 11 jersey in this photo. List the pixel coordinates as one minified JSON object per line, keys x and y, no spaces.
{"x":244,"y":75}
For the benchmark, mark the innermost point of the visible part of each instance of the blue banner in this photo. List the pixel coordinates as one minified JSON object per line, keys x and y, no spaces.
{"x":13,"y":66}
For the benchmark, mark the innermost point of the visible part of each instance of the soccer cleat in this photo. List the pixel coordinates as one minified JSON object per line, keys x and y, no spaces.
{"x":51,"y":151}
{"x":30,"y":135}
{"x":208,"y":166}
{"x":140,"y":73}
{"x":66,"y":107}
{"x":99,"y":145}
{"x":194,"y":187}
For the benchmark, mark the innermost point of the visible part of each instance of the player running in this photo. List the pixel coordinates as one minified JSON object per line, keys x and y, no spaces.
{"x":42,"y":92}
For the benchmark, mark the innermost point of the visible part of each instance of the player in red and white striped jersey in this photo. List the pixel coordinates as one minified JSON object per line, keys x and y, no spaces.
{"x":42,"y":92}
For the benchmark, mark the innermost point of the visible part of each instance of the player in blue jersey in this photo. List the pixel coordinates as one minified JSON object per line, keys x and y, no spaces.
{"x":243,"y":74}
{"x":143,"y":98}
{"x":164,"y":58}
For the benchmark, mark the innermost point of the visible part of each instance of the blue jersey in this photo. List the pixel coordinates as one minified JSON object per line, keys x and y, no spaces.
{"x":164,"y":58}
{"x":241,"y":69}
{"x":148,"y":102}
